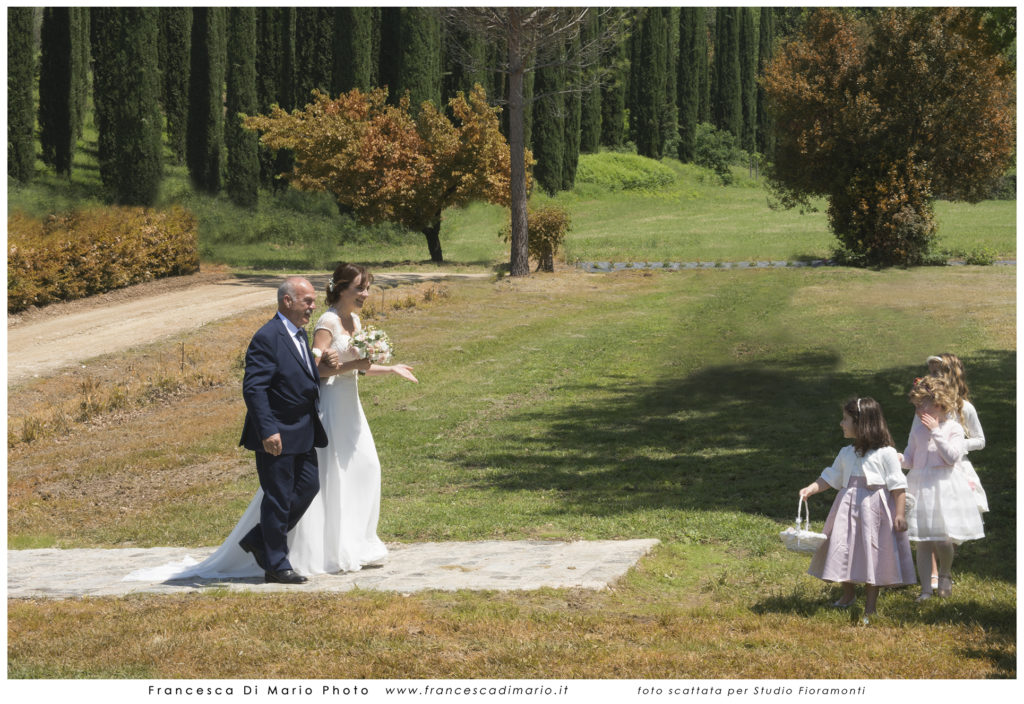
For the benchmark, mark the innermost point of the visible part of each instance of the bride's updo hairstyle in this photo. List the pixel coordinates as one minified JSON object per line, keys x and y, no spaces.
{"x":344,"y":275}
{"x":868,"y":424}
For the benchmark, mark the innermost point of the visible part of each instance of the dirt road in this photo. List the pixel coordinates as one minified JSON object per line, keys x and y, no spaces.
{"x":113,"y":323}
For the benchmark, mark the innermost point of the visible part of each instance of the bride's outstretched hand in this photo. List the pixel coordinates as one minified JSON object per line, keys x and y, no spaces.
{"x":404,"y":371}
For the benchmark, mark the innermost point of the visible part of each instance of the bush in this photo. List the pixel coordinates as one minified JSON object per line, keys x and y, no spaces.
{"x":546,"y":229}
{"x":64,"y":257}
{"x":716,"y":149}
{"x":623,"y":172}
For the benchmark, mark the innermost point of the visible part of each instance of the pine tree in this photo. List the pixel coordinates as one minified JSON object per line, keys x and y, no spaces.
{"x":420,"y":65}
{"x":748,"y":76}
{"x":613,"y":94}
{"x":548,"y":115}
{"x":691,"y":24}
{"x":648,"y":80}
{"x":766,"y":50}
{"x":176,"y":46}
{"x":590,"y":106}
{"x":727,"y":102}
{"x":242,"y":179}
{"x":205,"y":139}
{"x":314,"y":42}
{"x":353,"y":49}
{"x":127,"y":100}
{"x":573,"y":106}
{"x":56,"y":133}
{"x":20,"y":109}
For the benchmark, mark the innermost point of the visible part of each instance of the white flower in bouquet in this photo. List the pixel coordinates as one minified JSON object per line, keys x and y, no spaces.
{"x":374,"y":344}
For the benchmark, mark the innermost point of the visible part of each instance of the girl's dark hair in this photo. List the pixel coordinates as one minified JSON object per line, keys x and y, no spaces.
{"x":868,"y":424}
{"x":344,"y":275}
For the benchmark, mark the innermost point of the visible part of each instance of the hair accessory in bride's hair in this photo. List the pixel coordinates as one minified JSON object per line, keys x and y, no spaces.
{"x":858,"y":405}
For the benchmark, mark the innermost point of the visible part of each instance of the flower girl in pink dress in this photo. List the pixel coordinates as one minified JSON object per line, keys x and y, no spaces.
{"x":866,"y":528}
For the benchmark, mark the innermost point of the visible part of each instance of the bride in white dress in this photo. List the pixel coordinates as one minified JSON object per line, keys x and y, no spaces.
{"x":338,"y":532}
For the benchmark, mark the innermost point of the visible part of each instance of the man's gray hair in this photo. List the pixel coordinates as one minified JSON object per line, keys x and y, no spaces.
{"x":287,"y":288}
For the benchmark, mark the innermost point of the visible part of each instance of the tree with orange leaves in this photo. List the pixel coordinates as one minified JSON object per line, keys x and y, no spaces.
{"x":880,"y":115}
{"x":384,"y":164}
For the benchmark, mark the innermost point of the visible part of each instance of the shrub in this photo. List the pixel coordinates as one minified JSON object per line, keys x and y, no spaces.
{"x":716,"y":149}
{"x":546,"y":229}
{"x":623,"y":172}
{"x":65,"y":257}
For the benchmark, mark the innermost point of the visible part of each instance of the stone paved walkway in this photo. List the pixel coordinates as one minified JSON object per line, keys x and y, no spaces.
{"x":498,"y":565}
{"x":599,"y":267}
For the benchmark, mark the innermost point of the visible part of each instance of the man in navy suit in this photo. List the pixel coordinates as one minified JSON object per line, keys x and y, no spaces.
{"x":282,"y":425}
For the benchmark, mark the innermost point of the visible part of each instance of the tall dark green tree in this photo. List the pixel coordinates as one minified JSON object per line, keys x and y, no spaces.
{"x":590,"y":105}
{"x":242,"y":179}
{"x":20,"y":104}
{"x":80,"y":68}
{"x":572,"y":78}
{"x":390,"y":65}
{"x":670,"y":111}
{"x":615,"y":67}
{"x":726,"y":94}
{"x":647,"y":79}
{"x":704,"y":66}
{"x":354,"y":60}
{"x":748,"y":76}
{"x":176,"y":48}
{"x":314,"y":51}
{"x":420,"y":66}
{"x":56,"y":68}
{"x":465,"y":62}
{"x":205,"y":139}
{"x":127,"y":100}
{"x":548,"y":116}
{"x":691,"y":25}
{"x":765,"y":138}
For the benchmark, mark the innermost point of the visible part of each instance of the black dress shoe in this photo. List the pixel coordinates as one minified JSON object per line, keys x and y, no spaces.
{"x":255,"y":550}
{"x":285,"y":577}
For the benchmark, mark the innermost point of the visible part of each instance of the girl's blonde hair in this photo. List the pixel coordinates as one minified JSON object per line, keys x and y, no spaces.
{"x":868,"y":424}
{"x":936,"y":388}
{"x":952,"y":370}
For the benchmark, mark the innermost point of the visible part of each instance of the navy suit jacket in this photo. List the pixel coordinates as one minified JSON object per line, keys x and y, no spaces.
{"x":281,"y":394}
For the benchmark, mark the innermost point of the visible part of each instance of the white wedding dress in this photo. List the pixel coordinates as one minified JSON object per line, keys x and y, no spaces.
{"x":338,"y":532}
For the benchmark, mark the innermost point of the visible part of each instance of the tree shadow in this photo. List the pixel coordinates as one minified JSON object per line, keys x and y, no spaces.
{"x":741,"y":437}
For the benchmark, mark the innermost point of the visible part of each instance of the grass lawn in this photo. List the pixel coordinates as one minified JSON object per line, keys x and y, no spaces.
{"x":688,"y":407}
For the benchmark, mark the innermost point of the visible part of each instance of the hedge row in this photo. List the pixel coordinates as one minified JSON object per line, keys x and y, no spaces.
{"x":84,"y":253}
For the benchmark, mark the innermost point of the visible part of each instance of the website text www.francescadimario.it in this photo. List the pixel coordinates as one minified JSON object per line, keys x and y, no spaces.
{"x":513,"y":690}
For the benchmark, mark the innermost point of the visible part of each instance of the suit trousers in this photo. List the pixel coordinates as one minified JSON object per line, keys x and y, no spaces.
{"x":289,"y":482}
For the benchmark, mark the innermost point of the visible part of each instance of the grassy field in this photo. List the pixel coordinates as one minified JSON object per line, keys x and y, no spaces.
{"x":688,"y":407}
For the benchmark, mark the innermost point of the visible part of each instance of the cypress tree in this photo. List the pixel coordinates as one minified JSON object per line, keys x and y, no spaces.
{"x":465,"y":62}
{"x":127,"y":99}
{"x":748,"y":77}
{"x":573,"y":106}
{"x":314,"y":42}
{"x":242,"y":179}
{"x":548,"y":114}
{"x":765,"y":52}
{"x":613,"y":94}
{"x":420,"y":66}
{"x":80,"y":68}
{"x":703,"y":66}
{"x":390,"y":64}
{"x":20,"y":109}
{"x":590,"y":107}
{"x":648,"y":78}
{"x":670,"y":110}
{"x":56,"y":132}
{"x":288,"y":90}
{"x":691,"y":23}
{"x":727,"y":102}
{"x":353,"y":49}
{"x":268,"y":79}
{"x":176,"y":45}
{"x":205,"y":138}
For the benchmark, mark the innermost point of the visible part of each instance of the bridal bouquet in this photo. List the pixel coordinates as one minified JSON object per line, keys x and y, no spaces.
{"x":374,"y":344}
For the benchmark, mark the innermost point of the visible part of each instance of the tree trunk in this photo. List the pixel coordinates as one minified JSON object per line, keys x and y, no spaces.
{"x":520,"y":258}
{"x":433,"y":234}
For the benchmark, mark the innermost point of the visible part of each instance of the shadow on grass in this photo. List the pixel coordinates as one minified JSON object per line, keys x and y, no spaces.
{"x":741,"y":438}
